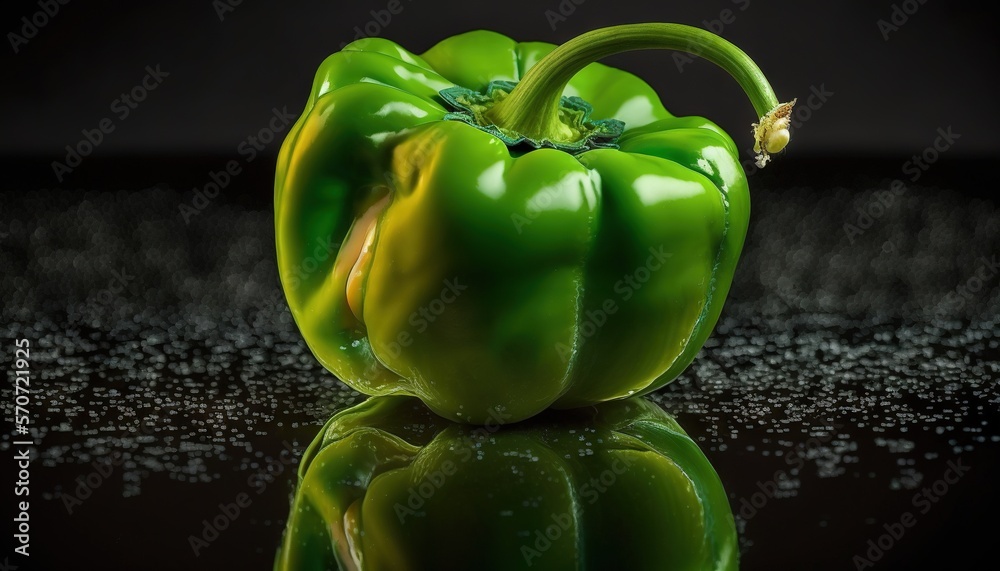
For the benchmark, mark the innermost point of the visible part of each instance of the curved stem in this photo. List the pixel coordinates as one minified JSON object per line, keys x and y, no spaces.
{"x":532,"y":108}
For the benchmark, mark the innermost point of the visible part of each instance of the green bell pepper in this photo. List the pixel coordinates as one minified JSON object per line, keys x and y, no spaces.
{"x":390,"y":485}
{"x":514,"y":225}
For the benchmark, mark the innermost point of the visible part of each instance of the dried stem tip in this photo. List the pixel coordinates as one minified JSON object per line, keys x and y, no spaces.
{"x":771,"y":134}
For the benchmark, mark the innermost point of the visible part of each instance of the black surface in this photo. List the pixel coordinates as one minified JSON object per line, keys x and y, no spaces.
{"x":858,"y":344}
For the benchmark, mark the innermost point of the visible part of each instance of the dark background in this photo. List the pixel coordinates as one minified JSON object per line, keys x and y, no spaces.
{"x":937,"y":70}
{"x":856,"y":340}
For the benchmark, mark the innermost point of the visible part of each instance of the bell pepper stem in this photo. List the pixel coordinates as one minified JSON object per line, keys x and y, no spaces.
{"x":532,"y":108}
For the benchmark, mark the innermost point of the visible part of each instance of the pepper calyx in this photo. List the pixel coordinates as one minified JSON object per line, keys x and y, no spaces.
{"x":576,"y":132}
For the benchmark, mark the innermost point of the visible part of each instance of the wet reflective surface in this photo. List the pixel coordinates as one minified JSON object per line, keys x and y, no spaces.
{"x":389,"y":484}
{"x":849,"y":383}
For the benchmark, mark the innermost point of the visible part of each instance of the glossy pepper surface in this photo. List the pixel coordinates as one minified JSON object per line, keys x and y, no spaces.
{"x":389,"y":485}
{"x":494,"y":224}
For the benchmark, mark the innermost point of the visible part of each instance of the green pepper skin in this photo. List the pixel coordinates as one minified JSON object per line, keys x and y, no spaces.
{"x":502,"y":279}
{"x":389,"y":485}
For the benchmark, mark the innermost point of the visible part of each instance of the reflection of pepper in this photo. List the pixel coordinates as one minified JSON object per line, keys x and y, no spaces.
{"x":501,"y":245}
{"x":390,"y":485}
